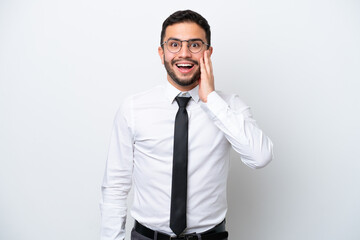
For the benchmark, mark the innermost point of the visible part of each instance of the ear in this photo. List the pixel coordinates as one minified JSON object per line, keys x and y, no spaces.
{"x":210,"y":50}
{"x":161,"y":54}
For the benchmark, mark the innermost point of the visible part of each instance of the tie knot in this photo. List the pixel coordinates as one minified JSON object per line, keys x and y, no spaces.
{"x":182,"y":101}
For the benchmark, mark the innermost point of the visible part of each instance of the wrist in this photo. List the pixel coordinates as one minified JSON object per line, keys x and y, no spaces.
{"x":205,"y":99}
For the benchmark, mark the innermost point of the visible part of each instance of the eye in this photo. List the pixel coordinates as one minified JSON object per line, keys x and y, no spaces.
{"x":174,"y":44}
{"x":194,"y":45}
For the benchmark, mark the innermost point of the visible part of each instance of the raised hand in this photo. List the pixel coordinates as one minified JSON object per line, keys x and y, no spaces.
{"x":206,"y":81}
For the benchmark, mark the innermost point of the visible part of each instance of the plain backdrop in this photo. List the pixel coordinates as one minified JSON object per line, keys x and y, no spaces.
{"x":66,"y":66}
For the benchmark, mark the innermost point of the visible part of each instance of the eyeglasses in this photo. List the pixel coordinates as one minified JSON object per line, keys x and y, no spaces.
{"x":194,"y":45}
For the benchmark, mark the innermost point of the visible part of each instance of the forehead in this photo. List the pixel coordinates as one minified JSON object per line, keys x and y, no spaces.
{"x":184,"y":31}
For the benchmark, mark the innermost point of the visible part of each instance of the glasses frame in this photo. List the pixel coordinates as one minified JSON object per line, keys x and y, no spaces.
{"x":181,"y":45}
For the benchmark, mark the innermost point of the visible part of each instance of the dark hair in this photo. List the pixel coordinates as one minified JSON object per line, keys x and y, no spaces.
{"x":186,"y":16}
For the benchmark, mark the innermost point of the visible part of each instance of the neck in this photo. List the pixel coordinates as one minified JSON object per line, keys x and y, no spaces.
{"x":182,"y":88}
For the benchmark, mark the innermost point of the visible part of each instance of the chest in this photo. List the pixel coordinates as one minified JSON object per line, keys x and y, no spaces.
{"x":154,"y":129}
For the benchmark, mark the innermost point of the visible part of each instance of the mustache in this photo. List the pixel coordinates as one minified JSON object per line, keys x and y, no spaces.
{"x":185,"y":59}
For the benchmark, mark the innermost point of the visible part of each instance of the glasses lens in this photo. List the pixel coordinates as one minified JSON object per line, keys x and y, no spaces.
{"x":173,"y":45}
{"x":195,"y":46}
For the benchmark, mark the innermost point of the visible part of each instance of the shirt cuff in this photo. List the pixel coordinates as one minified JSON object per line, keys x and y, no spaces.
{"x":215,"y":105}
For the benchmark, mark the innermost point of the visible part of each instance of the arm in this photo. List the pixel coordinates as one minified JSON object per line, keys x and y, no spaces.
{"x":234,"y":119}
{"x":117,"y":178}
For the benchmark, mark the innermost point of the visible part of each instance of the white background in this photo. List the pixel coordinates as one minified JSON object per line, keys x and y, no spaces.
{"x":65,"y":67}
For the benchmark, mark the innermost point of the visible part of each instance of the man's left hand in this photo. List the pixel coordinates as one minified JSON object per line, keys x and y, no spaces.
{"x":206,"y":81}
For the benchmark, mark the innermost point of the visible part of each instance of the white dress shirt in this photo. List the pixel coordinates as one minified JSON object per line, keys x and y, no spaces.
{"x":141,"y":152}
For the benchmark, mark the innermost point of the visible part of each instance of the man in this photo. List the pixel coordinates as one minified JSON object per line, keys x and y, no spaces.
{"x":172,"y":142}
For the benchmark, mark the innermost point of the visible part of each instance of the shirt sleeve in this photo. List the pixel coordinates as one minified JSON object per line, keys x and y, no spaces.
{"x":117,"y":178}
{"x":234,"y":119}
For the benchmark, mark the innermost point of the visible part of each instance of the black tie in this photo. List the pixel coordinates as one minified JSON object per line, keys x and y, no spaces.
{"x":179,"y":174}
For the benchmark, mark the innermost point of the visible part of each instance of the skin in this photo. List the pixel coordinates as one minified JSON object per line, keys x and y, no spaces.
{"x":185,"y":31}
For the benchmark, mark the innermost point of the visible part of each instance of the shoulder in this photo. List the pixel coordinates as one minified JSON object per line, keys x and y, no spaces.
{"x":141,"y":99}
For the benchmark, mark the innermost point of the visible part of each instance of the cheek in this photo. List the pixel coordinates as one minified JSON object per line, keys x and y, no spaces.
{"x":197,"y":58}
{"x":167,"y":58}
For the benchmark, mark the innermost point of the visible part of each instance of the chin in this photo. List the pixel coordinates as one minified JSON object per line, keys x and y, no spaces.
{"x":185,"y":83}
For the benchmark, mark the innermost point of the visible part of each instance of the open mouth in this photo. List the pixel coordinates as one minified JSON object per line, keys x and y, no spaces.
{"x":185,"y":67}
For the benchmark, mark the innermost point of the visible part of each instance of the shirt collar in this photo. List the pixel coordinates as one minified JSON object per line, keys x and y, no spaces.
{"x":171,"y":92}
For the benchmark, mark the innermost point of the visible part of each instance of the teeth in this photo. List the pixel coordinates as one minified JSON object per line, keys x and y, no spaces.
{"x":184,"y":65}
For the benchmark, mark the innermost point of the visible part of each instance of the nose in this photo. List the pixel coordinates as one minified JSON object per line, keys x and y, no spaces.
{"x":184,"y":51}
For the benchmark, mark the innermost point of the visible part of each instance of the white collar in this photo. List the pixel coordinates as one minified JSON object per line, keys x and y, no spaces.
{"x":172,"y":92}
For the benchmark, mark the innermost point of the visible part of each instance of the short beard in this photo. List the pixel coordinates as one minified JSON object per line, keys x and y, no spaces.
{"x":177,"y":80}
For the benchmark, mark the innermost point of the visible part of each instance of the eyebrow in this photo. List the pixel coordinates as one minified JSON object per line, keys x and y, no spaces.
{"x":191,"y":39}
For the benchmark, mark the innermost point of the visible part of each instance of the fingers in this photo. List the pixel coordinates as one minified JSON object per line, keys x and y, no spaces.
{"x":206,"y":81}
{"x":202,"y":64}
{"x":207,"y":62}
{"x":206,"y":66}
{"x":206,"y":59}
